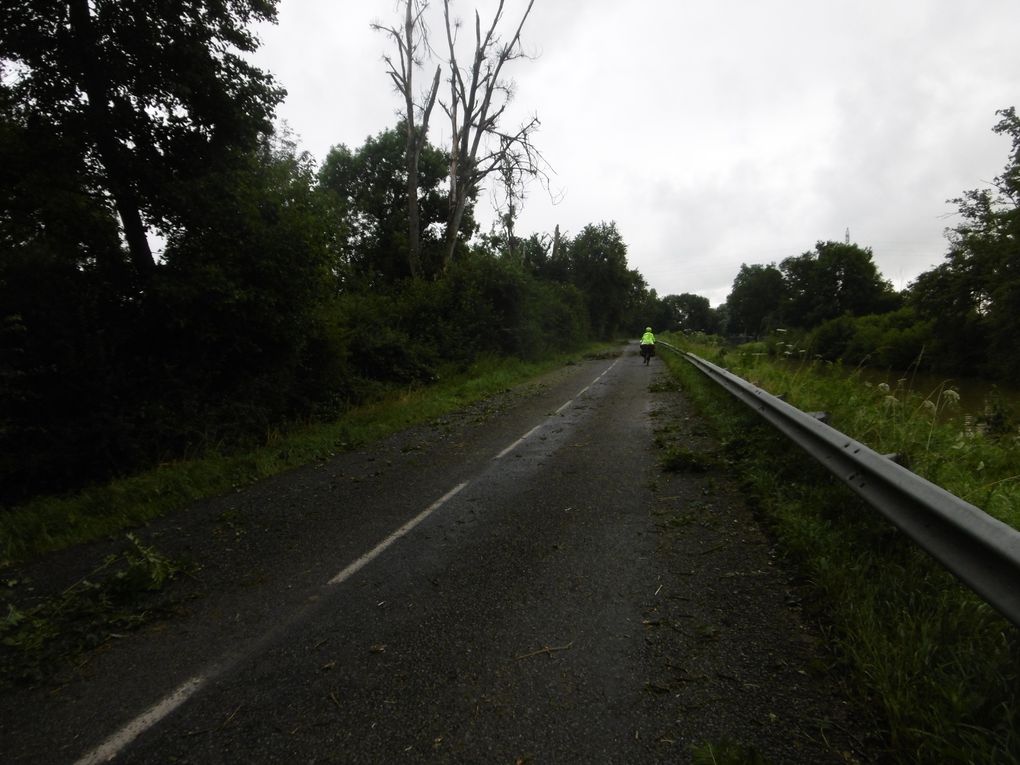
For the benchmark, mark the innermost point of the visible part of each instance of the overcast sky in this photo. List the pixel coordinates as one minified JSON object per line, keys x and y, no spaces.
{"x":713,"y":132}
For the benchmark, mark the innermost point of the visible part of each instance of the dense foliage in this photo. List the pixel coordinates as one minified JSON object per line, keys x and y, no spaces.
{"x":832,"y":281}
{"x":142,"y":97}
{"x":175,"y":277}
{"x":960,"y":318}
{"x":973,"y":298}
{"x":283,"y":290}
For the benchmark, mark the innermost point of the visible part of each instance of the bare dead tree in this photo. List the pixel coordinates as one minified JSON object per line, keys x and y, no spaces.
{"x":410,"y":41}
{"x":478,"y":98}
{"x":511,"y":189}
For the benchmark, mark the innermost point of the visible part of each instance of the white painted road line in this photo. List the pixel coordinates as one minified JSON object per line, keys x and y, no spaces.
{"x":587,"y":387}
{"x":116,"y":743}
{"x":113,"y":745}
{"x":122,"y":738}
{"x":584,"y":390}
{"x":374,"y":552}
{"x":516,"y":443}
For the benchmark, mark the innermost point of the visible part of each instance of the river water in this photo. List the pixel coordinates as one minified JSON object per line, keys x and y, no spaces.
{"x":976,"y":395}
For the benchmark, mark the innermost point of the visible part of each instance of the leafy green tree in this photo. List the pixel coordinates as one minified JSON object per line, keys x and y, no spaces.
{"x":248,"y":280}
{"x":649,"y":310}
{"x":147,"y":95}
{"x":691,"y":313}
{"x":49,"y":204}
{"x":367,"y":197}
{"x":755,"y":299}
{"x":721,"y":318}
{"x":597,"y":260}
{"x":555,"y":266}
{"x":948,"y":296}
{"x":536,"y":251}
{"x":974,"y":296}
{"x":232,"y":335}
{"x":833,"y":280}
{"x":894,"y":340}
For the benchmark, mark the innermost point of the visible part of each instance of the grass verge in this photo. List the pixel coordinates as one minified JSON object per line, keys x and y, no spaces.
{"x":939,"y":664}
{"x":52,"y":523}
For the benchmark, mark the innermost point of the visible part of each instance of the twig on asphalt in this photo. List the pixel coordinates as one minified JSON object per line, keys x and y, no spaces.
{"x":230,"y":717}
{"x":549,"y":649}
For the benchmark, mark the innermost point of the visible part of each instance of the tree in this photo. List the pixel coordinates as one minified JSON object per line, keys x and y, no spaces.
{"x":690,"y":313}
{"x":650,"y":311}
{"x":755,"y":299}
{"x":247,"y":281}
{"x":535,"y":253}
{"x":835,"y":279}
{"x":49,"y":203}
{"x":149,"y":95}
{"x":478,"y":98}
{"x":598,"y":267}
{"x":409,"y":41}
{"x":367,"y":216}
{"x":974,"y":296}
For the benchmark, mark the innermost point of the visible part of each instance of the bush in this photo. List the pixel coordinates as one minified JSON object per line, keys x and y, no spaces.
{"x":233,"y":340}
{"x":897,"y":340}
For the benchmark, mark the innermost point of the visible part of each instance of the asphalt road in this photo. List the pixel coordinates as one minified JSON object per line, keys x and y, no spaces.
{"x":504,"y":587}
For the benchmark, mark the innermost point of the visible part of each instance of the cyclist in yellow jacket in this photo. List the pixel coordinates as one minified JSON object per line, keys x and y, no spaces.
{"x":647,"y":345}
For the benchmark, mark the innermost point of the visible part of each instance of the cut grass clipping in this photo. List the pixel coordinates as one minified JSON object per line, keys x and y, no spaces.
{"x":48,"y":635}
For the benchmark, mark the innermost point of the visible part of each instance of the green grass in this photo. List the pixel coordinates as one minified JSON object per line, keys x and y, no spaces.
{"x":924,"y":428}
{"x":940,"y":666}
{"x":53,"y":523}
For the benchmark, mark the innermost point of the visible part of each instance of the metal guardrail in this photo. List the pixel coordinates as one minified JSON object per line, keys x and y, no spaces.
{"x":980,"y":550}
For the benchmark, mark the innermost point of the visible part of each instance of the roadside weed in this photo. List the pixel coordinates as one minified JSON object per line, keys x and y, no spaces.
{"x":940,"y":666}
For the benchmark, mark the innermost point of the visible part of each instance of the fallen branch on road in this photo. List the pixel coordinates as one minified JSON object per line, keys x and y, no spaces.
{"x":546,"y":650}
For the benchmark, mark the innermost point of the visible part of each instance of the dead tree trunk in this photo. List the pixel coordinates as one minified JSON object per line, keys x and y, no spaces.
{"x":409,"y":40}
{"x":478,"y":98}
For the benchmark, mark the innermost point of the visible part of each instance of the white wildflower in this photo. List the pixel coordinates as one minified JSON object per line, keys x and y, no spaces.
{"x":952,"y":396}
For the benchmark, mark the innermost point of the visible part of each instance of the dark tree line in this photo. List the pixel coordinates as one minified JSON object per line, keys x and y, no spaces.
{"x":285,"y":290}
{"x":961,"y":317}
{"x":288,"y":290}
{"x":835,"y":279}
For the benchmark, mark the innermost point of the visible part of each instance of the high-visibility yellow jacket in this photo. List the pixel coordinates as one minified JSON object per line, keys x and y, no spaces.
{"x":648,"y":338}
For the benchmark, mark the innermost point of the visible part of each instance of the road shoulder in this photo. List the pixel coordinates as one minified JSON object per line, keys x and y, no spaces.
{"x":736,"y":658}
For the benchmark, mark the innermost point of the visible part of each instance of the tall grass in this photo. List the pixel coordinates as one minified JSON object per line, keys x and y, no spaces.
{"x":923,"y":427}
{"x":53,"y":523}
{"x":939,"y":664}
